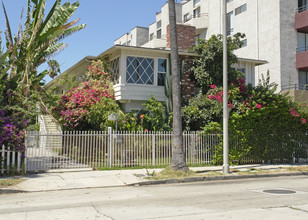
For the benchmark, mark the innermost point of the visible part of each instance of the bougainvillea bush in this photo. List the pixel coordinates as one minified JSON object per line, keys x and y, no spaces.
{"x":264,"y":125}
{"x":12,"y":131}
{"x":78,"y":108}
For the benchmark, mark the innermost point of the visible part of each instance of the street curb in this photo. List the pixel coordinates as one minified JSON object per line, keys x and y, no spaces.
{"x":10,"y":191}
{"x":6,"y":191}
{"x":215,"y":178}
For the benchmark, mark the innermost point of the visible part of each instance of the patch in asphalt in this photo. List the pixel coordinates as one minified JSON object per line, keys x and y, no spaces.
{"x":279,"y":191}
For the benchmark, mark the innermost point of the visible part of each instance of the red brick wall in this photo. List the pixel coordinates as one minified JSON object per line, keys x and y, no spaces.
{"x":188,"y":85}
{"x":186,"y":36}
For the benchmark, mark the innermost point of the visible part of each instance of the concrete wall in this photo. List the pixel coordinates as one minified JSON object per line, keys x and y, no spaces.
{"x":288,"y":43}
{"x":136,"y":37}
{"x":270,"y":34}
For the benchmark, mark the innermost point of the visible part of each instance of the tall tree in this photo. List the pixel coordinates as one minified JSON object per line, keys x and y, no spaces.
{"x":178,"y":156}
{"x":207,"y":66}
{"x":39,"y":40}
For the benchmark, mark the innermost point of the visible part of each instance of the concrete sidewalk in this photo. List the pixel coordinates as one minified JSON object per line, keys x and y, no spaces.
{"x":87,"y":178}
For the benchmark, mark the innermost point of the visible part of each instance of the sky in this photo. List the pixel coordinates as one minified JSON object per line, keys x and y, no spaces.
{"x":106,"y":21}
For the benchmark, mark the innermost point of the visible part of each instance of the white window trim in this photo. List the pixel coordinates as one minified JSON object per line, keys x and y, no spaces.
{"x":155,"y":84}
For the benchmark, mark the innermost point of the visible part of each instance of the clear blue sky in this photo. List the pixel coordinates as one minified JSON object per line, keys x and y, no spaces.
{"x":106,"y":20}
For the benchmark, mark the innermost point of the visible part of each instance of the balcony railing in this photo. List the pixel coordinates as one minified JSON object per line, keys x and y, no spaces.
{"x":302,"y":49}
{"x":301,"y":9}
{"x":186,"y":19}
{"x":294,"y":87}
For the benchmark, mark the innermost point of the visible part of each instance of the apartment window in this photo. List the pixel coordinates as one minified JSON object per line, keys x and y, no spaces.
{"x":302,"y":42}
{"x":302,"y":3}
{"x":242,"y":70}
{"x":229,"y":23}
{"x":196,"y":2}
{"x":303,"y":80}
{"x":197,"y":12}
{"x":152,"y":36}
{"x":244,"y":43}
{"x":158,"y":33}
{"x":158,"y":24}
{"x":128,"y":43}
{"x":186,"y":17}
{"x":162,"y":70}
{"x":197,"y":39}
{"x":240,"y":9}
{"x":140,"y":70}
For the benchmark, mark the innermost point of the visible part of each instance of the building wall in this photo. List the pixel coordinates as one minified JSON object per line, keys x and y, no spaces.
{"x":269,"y":29}
{"x":122,"y":40}
{"x":137,"y":37}
{"x":288,"y":43}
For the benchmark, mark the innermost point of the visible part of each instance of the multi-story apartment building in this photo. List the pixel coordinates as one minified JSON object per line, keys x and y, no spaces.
{"x":276,"y":41}
{"x":275,"y":31}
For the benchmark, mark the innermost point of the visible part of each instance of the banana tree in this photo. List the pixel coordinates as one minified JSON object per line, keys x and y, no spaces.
{"x":39,"y":40}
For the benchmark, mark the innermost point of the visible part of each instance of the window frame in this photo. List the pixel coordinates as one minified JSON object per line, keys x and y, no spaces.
{"x":151,"y":36}
{"x":197,"y":12}
{"x":158,"y":34}
{"x":160,"y":72}
{"x":152,"y":77}
{"x":196,"y":3}
{"x":158,"y":24}
{"x":186,"y":17}
{"x":229,"y":22}
{"x":240,"y":9}
{"x":244,"y":43}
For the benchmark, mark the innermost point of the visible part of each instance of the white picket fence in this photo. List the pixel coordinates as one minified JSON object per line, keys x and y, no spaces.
{"x":10,"y":161}
{"x":82,"y":149}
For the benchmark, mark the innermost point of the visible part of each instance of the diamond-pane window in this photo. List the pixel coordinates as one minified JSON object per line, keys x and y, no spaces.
{"x":140,"y":70}
{"x":115,"y":70}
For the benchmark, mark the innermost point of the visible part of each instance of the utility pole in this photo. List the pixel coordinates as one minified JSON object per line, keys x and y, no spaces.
{"x":226,"y":168}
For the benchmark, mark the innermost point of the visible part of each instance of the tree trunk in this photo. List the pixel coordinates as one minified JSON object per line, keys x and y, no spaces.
{"x":178,"y":156}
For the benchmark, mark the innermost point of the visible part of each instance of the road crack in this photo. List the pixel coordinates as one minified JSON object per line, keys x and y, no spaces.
{"x":297,"y":209}
{"x":100,"y":213}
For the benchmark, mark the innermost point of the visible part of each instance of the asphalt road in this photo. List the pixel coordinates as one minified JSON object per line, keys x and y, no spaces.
{"x":238,"y":199}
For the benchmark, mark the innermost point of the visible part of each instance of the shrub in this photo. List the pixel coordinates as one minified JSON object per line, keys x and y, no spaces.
{"x":86,"y":106}
{"x":12,"y":131}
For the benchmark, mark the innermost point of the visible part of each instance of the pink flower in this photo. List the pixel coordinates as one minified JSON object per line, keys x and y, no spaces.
{"x":213,"y":86}
{"x":230,"y":105}
{"x":303,"y":121}
{"x":259,"y":106}
{"x":293,"y":112}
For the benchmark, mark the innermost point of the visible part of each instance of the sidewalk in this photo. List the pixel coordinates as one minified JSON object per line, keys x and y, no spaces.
{"x":87,"y":178}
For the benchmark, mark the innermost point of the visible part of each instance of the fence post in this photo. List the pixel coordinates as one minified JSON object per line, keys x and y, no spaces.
{"x":153,"y":148}
{"x":110,"y":146}
{"x":26,"y":153}
{"x":2,"y":159}
{"x":8,"y":160}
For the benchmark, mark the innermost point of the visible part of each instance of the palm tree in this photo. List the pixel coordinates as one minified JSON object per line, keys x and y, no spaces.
{"x":178,"y":156}
{"x":39,"y":41}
